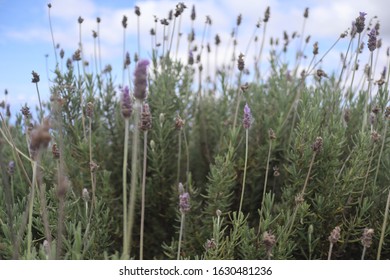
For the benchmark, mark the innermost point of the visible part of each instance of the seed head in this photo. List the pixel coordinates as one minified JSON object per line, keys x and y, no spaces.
{"x":334,"y":235}
{"x":39,"y":138}
{"x":85,"y":195}
{"x":140,"y":79}
{"x":11,"y":168}
{"x":267,"y":14}
{"x":137,"y":10}
{"x":55,"y":151}
{"x":49,"y":5}
{"x":179,"y":122}
{"x":359,"y":22}
{"x":146,"y":118}
{"x":315,"y":48}
{"x":80,"y":20}
{"x":35,"y":78}
{"x":77,"y":55}
{"x":271,"y":134}
{"x":193,"y":13}
{"x":240,"y":62}
{"x":372,"y":40}
{"x":247,"y":117}
{"x":269,"y":241}
{"x":98,"y":19}
{"x":366,"y":238}
{"x":124,"y":21}
{"x":217,"y":40}
{"x":317,"y":146}
{"x":127,"y":60}
{"x":375,"y":136}
{"x":306,"y":13}
{"x":239,"y":19}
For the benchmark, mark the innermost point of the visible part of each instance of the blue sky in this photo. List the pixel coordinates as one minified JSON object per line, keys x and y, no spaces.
{"x":25,"y":34}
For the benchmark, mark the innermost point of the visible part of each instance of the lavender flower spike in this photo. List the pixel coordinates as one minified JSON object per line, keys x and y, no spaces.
{"x":247,"y":117}
{"x":126,"y":103}
{"x":359,"y":22}
{"x":372,"y":40}
{"x":140,"y":79}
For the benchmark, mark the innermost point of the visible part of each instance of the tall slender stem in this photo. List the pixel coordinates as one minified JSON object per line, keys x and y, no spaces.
{"x":141,"y":249}
{"x":124,"y":182}
{"x":378,"y":257}
{"x":245,"y":167}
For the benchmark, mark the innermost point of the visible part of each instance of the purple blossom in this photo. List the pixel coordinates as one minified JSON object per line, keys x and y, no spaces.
{"x":372,"y":40}
{"x":140,"y":79}
{"x":126,"y":103}
{"x":247,"y":117}
{"x":184,"y":202}
{"x":359,"y":22}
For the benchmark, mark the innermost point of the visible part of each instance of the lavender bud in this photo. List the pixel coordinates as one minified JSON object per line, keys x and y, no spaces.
{"x":35,"y":78}
{"x":126,"y":103}
{"x":210,"y":244}
{"x":359,"y":22}
{"x":317,"y":146}
{"x":11,"y":168}
{"x":247,"y":117}
{"x":269,"y":241}
{"x":140,"y":79}
{"x":372,"y":40}
{"x":366,"y":238}
{"x":266,"y":14}
{"x":137,"y":10}
{"x":241,"y":62}
{"x":124,"y":21}
{"x":85,"y":195}
{"x":184,"y":202}
{"x":146,"y":118}
{"x":334,"y":235}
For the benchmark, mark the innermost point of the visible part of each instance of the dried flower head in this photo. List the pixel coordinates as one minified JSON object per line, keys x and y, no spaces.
{"x":239,"y":19}
{"x":55,"y":151}
{"x":217,"y":40}
{"x":77,"y":55}
{"x":247,"y":120}
{"x":85,"y":195}
{"x":276,"y":171}
{"x":93,"y":166}
{"x":267,"y":14}
{"x":49,"y":5}
{"x":306,"y":13}
{"x":35,"y":78}
{"x":193,"y":13}
{"x":271,"y":134}
{"x":140,"y":79}
{"x":375,"y":136}
{"x":80,"y":20}
{"x":146,"y":118}
{"x":98,"y":19}
{"x":89,"y":110}
{"x":210,"y":244}
{"x":137,"y":10}
{"x":124,"y":21}
{"x":11,"y":168}
{"x":179,"y":123}
{"x":218,"y":213}
{"x":366,"y":238}
{"x":359,"y":22}
{"x":371,"y":44}
{"x":39,"y":138}
{"x":240,"y":62}
{"x":315,"y":48}
{"x":317,"y":146}
{"x":127,"y":61}
{"x":126,"y":103}
{"x":269,"y":241}
{"x":334,"y":235}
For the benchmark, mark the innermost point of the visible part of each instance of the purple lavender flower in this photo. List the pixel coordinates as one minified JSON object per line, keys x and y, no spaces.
{"x":372,"y":40}
{"x":359,"y":22}
{"x":184,"y":202}
{"x":126,"y":103}
{"x":140,"y":79}
{"x":247,"y":117}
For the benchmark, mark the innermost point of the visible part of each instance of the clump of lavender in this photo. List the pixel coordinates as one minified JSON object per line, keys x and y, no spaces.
{"x":184,"y":206}
{"x":366,"y":239}
{"x":140,"y":79}
{"x":333,"y":239}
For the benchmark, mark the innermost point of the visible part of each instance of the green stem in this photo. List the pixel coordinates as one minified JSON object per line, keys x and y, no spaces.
{"x":133,"y":187}
{"x":378,"y":257}
{"x":29,"y":227}
{"x":180,"y":235}
{"x":245,"y":167}
{"x":330,"y":251}
{"x":381,"y":151}
{"x":179,"y":158}
{"x":141,"y":242}
{"x":124,"y":180}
